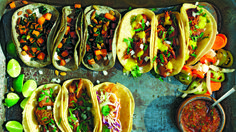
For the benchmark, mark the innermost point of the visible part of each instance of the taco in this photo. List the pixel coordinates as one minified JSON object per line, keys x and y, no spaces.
{"x":101,"y":24}
{"x":136,"y":40}
{"x":169,"y":48}
{"x":68,"y":40}
{"x":116,"y":107}
{"x":33,"y":30}
{"x":200,"y":31}
{"x":79,"y":108}
{"x":41,"y":112}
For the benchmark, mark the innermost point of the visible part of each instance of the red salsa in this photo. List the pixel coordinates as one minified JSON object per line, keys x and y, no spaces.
{"x":198,"y":117}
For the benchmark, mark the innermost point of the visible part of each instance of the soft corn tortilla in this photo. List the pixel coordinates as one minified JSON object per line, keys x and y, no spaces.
{"x":76,"y":60}
{"x":65,"y":101}
{"x":26,"y":58}
{"x":211,"y":28}
{"x":29,"y":121}
{"x":125,"y":32}
{"x":101,"y":10}
{"x":179,"y":61}
{"x":126,"y":103}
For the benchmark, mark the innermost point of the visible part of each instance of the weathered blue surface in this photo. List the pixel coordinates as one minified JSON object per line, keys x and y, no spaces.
{"x":156,"y":102}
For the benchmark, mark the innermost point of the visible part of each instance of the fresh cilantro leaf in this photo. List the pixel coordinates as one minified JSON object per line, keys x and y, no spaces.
{"x":143,"y":24}
{"x":137,"y":30}
{"x":194,"y":55}
{"x":154,"y":9}
{"x":136,"y":72}
{"x":168,"y":55}
{"x":105,"y":110}
{"x":145,"y":47}
{"x":154,"y":59}
{"x":156,"y":75}
{"x":59,"y":122}
{"x":162,"y":58}
{"x":105,"y":129}
{"x":200,"y":6}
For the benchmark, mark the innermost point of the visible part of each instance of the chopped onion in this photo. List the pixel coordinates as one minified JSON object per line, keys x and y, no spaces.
{"x":141,"y":46}
{"x":132,"y":52}
{"x":194,"y":14}
{"x":196,"y":3}
{"x":227,"y":70}
{"x":168,"y":42}
{"x":146,"y":58}
{"x":147,"y":23}
{"x":208,"y":81}
{"x":49,"y":107}
{"x":190,"y":91}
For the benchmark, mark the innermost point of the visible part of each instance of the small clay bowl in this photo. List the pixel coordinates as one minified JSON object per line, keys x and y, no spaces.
{"x":206,"y":98}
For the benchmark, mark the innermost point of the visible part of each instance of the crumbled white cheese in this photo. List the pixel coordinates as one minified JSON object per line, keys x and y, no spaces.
{"x":105,"y":58}
{"x":196,"y":3}
{"x":167,"y":74}
{"x":146,"y":58}
{"x":49,"y":107}
{"x":67,"y":60}
{"x":74,"y":115}
{"x":140,"y":68}
{"x":132,"y":52}
{"x":105,"y":73}
{"x":56,"y":80}
{"x":47,"y":131}
{"x":26,"y":58}
{"x":52,"y":126}
{"x":40,"y":72}
{"x":98,"y":81}
{"x":141,"y":46}
{"x":147,"y":23}
{"x":109,"y":55}
{"x":55,"y":88}
{"x":55,"y":56}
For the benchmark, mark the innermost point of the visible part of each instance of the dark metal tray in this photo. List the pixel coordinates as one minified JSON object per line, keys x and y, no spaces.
{"x":156,"y":102}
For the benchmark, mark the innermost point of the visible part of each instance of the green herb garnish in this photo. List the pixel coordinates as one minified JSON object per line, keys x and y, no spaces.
{"x":105,"y":110}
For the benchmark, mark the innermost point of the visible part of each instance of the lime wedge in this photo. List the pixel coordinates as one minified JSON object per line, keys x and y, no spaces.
{"x":13,"y":68}
{"x":18,"y":83}
{"x":12,"y":99}
{"x":28,"y":88}
{"x":23,"y":103}
{"x":14,"y":126}
{"x":11,"y":49}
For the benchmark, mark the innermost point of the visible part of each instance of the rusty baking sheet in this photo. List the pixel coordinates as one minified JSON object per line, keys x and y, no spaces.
{"x":156,"y":102}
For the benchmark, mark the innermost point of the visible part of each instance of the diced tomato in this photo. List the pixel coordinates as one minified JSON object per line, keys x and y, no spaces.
{"x":62,"y":62}
{"x":67,"y":30}
{"x":187,"y":69}
{"x":41,"y":20}
{"x":60,"y":45}
{"x":103,"y":52}
{"x":91,"y":61}
{"x":72,"y":34}
{"x":26,"y":48}
{"x":34,"y":49}
{"x":40,"y":40}
{"x":69,"y":19}
{"x":65,"y":53}
{"x":47,"y":16}
{"x":41,"y":56}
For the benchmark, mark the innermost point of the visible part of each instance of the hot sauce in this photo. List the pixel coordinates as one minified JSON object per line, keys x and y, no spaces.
{"x":197,"y":116}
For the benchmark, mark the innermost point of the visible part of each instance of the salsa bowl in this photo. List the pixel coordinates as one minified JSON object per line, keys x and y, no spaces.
{"x":195,"y":114}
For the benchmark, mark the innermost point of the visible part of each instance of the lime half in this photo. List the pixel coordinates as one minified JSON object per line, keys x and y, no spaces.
{"x":12,"y":99}
{"x":13,"y":68}
{"x":14,"y":126}
{"x":18,"y":83}
{"x":11,"y":49}
{"x":28,"y":88}
{"x":23,"y":103}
